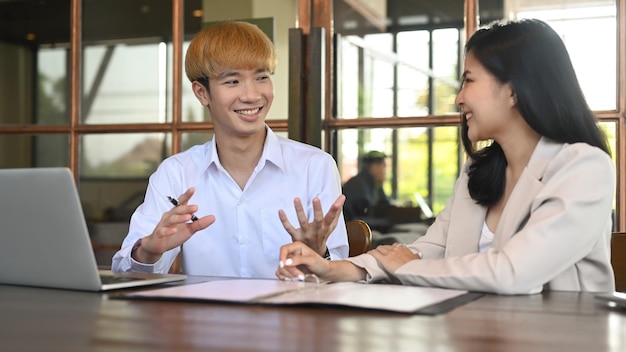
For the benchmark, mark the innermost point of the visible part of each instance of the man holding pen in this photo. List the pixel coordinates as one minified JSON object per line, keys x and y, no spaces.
{"x":241,"y":186}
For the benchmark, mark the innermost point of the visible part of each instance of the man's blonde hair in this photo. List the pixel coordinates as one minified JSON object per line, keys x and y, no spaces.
{"x":226,"y":46}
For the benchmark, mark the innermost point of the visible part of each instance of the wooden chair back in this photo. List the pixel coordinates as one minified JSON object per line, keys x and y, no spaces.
{"x":359,"y":237}
{"x":176,"y":267}
{"x":618,"y":259}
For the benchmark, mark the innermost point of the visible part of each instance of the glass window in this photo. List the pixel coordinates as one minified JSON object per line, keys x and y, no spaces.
{"x":192,"y":109}
{"x":128,"y":155}
{"x":24,"y":150}
{"x":408,"y":68}
{"x":589,"y":32}
{"x":52,"y":86}
{"x":378,"y":87}
{"x":413,"y":73}
{"x":356,"y":142}
{"x":423,"y":162}
{"x":349,"y":79}
{"x":367,"y":84}
{"x":447,"y":158}
{"x":378,"y":81}
{"x":124,"y":83}
{"x":195,"y":138}
{"x":445,"y":69}
{"x":127,"y":67}
{"x":33,"y":33}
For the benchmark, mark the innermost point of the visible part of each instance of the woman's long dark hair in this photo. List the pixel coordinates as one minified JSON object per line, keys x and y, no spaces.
{"x":531,"y":57}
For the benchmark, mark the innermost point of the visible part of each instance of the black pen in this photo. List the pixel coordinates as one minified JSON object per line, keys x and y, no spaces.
{"x":175,"y":202}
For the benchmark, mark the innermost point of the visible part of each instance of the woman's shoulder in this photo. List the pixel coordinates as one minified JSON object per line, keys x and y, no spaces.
{"x":580,"y":158}
{"x":582,"y":152}
{"x":550,"y":157}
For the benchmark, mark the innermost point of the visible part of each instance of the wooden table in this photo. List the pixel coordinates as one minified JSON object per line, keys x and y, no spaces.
{"x":36,"y":319}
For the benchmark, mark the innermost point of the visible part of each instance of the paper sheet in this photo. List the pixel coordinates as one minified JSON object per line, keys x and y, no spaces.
{"x":397,"y":298}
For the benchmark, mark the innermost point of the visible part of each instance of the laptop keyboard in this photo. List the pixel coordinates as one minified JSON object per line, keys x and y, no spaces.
{"x":108,"y":279}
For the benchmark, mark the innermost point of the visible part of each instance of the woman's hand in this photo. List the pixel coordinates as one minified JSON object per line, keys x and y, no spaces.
{"x":297,"y":260}
{"x":314,"y":234}
{"x":392,"y":257}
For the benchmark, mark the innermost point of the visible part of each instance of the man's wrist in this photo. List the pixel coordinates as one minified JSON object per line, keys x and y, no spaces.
{"x":133,"y":251}
{"x":139,"y":254}
{"x":327,"y":254}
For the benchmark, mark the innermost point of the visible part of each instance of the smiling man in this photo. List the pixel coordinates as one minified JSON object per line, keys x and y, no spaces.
{"x":240,"y":193}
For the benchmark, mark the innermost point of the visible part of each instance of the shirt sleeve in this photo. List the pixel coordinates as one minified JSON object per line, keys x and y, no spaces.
{"x":144,"y":220}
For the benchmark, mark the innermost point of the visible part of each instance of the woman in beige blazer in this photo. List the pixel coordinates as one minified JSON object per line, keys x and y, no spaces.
{"x":531,"y":209}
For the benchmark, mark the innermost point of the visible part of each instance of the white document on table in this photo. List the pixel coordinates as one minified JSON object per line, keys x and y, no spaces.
{"x":396,"y":298}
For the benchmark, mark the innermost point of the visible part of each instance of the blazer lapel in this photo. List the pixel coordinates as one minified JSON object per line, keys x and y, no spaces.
{"x":518,"y":207}
{"x":467,"y":222}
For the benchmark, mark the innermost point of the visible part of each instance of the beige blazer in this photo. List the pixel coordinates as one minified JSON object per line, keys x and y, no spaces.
{"x":554,"y":232}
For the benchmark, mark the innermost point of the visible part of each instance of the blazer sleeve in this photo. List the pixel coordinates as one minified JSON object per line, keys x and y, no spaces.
{"x":561,"y":217}
{"x":431,"y":245}
{"x":569,"y":206}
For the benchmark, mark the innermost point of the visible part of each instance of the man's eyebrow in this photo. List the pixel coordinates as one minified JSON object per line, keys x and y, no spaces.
{"x":227,"y":74}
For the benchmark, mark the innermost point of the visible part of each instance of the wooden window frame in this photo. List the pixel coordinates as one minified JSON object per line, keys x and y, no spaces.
{"x":312,"y":14}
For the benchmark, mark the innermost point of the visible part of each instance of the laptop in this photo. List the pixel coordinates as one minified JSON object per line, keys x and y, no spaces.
{"x":613,"y":299}
{"x":44,"y":240}
{"x":428,"y":213}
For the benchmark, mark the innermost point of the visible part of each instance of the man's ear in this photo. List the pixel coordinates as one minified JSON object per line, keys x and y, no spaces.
{"x":201,"y":93}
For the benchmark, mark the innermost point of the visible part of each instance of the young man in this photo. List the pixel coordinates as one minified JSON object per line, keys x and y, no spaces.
{"x":239,"y":193}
